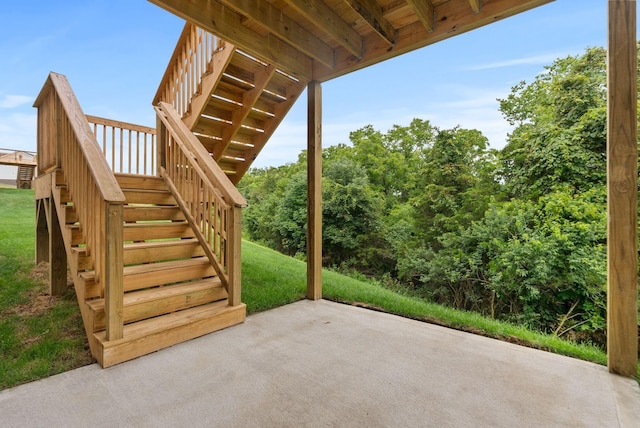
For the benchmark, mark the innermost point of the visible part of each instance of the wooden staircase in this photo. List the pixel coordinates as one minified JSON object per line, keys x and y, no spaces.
{"x":149,"y":220}
{"x":171,"y":291}
{"x":231,"y":101}
{"x":24,"y":177}
{"x":155,"y":259}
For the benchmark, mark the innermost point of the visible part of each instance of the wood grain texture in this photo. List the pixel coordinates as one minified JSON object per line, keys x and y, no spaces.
{"x":622,"y":190}
{"x":314,"y":192}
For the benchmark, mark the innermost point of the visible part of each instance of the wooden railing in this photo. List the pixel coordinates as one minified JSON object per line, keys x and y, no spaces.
{"x":211,"y":203}
{"x":66,"y":143}
{"x":128,"y":148}
{"x":191,"y":60}
{"x":17,"y":157}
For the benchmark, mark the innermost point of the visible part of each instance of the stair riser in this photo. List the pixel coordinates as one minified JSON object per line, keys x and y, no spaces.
{"x":151,"y":197}
{"x":157,"y":231}
{"x":140,"y":182}
{"x":80,"y":261}
{"x":145,"y":280}
{"x":165,"y":335}
{"x":152,"y":213}
{"x":149,"y":255}
{"x":139,"y":311}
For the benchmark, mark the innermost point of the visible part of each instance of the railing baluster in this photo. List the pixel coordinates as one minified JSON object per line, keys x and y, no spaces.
{"x":195,"y":180}
{"x":72,"y":146}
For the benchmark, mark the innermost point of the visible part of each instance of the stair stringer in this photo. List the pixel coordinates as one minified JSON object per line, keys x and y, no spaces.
{"x":54,"y":181}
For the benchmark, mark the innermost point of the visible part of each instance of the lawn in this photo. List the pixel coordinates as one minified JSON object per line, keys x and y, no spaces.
{"x":42,"y":335}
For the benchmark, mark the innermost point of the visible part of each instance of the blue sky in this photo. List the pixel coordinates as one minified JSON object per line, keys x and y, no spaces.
{"x":114,"y":53}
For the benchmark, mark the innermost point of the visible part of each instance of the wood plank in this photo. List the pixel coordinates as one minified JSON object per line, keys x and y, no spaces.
{"x":156,"y":230}
{"x":260,"y":140}
{"x":113,"y":264}
{"x":57,"y":254}
{"x":476,"y":5}
{"x":314,"y":192}
{"x":137,"y":277}
{"x":371,"y":12}
{"x":147,"y":252}
{"x":107,"y":186}
{"x":239,"y":116}
{"x":425,"y":11}
{"x":330,"y":22}
{"x":219,"y":19}
{"x":42,"y":230}
{"x":220,"y":61}
{"x":121,"y":125}
{"x":159,"y":197}
{"x":152,"y":212}
{"x":139,"y":305}
{"x":622,"y":190}
{"x":276,"y":21}
{"x":451,"y":21}
{"x":151,"y":335}
{"x":213,"y":172}
{"x":140,"y":182}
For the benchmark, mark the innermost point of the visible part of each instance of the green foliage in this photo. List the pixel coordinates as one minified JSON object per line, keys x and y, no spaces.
{"x":516,"y":234}
{"x":561,"y":132}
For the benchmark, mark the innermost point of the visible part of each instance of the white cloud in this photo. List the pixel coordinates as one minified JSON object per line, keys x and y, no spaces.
{"x":544,"y":59}
{"x":13,"y":101}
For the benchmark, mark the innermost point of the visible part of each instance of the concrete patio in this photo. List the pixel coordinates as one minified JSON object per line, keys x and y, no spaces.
{"x":320,"y":364}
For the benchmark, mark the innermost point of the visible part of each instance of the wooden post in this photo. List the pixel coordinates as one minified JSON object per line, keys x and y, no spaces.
{"x":42,"y":230}
{"x":113,"y":271}
{"x":622,"y":203}
{"x":234,"y":241}
{"x":57,"y":253}
{"x":161,"y":146}
{"x":314,"y":192}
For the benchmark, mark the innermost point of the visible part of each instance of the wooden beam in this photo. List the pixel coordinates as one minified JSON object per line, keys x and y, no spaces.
{"x":238,"y":116}
{"x":331,"y":23}
{"x":622,"y":190}
{"x":276,"y":21}
{"x":314,"y":192}
{"x":426,"y":13}
{"x":227,"y":24}
{"x":57,"y":252}
{"x":371,"y":12}
{"x":451,"y":21}
{"x":476,"y":5}
{"x":280,"y":110}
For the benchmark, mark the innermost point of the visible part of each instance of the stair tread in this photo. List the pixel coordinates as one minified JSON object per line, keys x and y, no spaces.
{"x":142,"y":296}
{"x":155,"y":267}
{"x":162,"y":323}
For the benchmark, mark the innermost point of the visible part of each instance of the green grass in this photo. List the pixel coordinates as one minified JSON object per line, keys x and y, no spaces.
{"x":41,"y":336}
{"x":271,"y":279}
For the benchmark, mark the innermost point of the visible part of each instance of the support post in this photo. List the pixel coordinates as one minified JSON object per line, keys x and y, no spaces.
{"x":314,"y":192}
{"x":622,"y":190}
{"x":57,"y":253}
{"x":234,"y":241}
{"x":42,"y":230}
{"x":113,"y":271}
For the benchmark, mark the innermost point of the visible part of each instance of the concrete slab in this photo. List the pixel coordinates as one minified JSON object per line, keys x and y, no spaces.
{"x":322,"y":364}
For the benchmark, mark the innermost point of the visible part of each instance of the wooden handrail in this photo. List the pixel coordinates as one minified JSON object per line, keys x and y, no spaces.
{"x":66,"y":143}
{"x":191,"y":60}
{"x":210,"y":202}
{"x":128,"y":148}
{"x":213,"y":171}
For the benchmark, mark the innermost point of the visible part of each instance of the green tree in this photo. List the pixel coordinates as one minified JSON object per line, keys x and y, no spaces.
{"x":560,"y":134}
